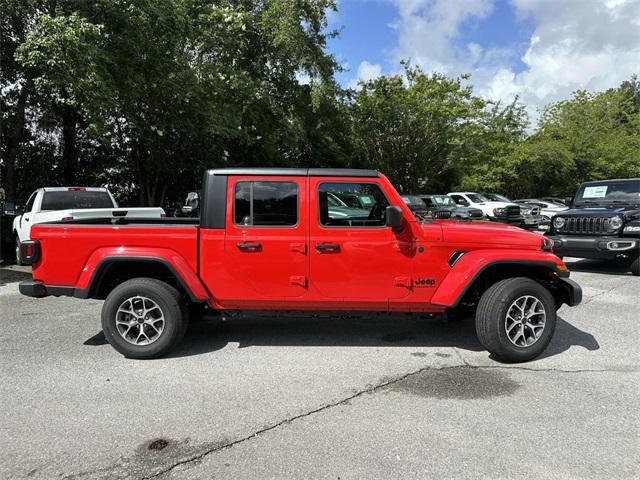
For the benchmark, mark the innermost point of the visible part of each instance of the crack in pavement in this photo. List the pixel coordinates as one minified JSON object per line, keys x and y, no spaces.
{"x":590,"y":299}
{"x":360,"y":393}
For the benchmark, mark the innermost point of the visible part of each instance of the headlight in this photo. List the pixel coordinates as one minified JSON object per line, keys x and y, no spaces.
{"x":525,"y":211}
{"x":615,"y":223}
{"x":499,"y":211}
{"x":558,"y":222}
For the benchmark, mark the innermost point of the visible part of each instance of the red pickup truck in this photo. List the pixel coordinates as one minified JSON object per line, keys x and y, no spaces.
{"x":301,"y":239}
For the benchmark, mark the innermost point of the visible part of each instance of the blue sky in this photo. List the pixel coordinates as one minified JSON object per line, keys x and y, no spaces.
{"x":540,"y":50}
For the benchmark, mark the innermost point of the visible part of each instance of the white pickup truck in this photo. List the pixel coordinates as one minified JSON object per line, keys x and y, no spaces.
{"x":52,"y":204}
{"x":496,"y":211}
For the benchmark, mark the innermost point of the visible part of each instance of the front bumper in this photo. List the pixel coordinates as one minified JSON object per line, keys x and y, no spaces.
{"x":37,"y":289}
{"x":509,"y":220}
{"x":594,"y":247}
{"x":572,"y":292}
{"x":530,"y":221}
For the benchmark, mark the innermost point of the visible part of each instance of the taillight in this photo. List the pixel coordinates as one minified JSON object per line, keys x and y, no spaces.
{"x":76,"y":189}
{"x":30,"y":251}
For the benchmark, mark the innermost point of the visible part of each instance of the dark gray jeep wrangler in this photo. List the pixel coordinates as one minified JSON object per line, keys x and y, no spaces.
{"x":603,"y":221}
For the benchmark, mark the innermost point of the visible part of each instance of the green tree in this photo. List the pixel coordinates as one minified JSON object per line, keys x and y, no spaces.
{"x":164,"y":88}
{"x":411,"y":128}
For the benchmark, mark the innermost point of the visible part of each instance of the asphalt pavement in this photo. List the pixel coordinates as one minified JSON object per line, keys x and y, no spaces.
{"x":381,"y":397}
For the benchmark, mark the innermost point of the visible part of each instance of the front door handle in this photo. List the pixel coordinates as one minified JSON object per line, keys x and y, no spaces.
{"x":249,"y":247}
{"x":327,"y":247}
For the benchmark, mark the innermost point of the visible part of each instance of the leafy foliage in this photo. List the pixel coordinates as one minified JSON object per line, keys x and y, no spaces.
{"x":143,"y":95}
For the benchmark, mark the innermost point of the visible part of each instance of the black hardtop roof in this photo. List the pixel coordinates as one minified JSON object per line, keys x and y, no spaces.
{"x":296,"y":172}
{"x":613,"y":180}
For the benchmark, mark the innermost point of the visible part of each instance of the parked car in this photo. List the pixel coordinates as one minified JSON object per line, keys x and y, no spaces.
{"x":530,"y":212}
{"x":266,"y":240}
{"x":555,"y":200}
{"x":416,"y":205}
{"x":443,"y":206}
{"x":191,"y":206}
{"x":603,"y":221}
{"x":51,"y":204}
{"x":547,"y":209}
{"x":496,"y":211}
{"x":353,"y":200}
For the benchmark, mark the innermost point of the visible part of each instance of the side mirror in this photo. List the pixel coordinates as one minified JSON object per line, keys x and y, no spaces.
{"x":393,"y":216}
{"x":187,"y":209}
{"x":568,"y":200}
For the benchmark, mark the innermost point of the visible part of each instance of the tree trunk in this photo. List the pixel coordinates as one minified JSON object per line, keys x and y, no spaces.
{"x":14,"y":138}
{"x":69,"y":145}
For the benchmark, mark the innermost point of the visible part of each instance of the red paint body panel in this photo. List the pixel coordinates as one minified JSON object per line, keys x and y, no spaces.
{"x":373,"y":268}
{"x":70,"y":253}
{"x":473,"y":262}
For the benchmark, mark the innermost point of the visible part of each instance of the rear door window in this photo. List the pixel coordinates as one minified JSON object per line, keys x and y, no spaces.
{"x":258,"y":203}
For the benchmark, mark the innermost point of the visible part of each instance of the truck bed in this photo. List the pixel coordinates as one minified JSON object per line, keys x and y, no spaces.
{"x":78,"y":240}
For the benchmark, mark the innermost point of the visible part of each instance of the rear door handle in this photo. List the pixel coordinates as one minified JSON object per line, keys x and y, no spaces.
{"x":327,"y":247}
{"x":249,"y":247}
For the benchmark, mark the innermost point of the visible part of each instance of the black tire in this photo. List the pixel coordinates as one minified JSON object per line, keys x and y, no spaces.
{"x":635,"y":267}
{"x":492,"y":312}
{"x":17,"y":250}
{"x":170,"y":304}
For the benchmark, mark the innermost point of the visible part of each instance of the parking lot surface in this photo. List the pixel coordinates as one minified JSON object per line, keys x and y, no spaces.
{"x":382,"y":397}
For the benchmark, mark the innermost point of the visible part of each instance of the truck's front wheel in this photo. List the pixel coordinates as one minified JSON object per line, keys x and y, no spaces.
{"x":515,"y":319}
{"x":143,"y":318}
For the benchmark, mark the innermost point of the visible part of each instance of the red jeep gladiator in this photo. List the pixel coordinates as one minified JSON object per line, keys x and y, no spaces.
{"x":301,"y":239}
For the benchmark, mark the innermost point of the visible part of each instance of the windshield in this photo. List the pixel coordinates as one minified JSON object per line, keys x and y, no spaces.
{"x":609,"y":192}
{"x":477,"y":198}
{"x":75,"y":199}
{"x":413,"y":200}
{"x":442,"y":200}
{"x":498,"y":198}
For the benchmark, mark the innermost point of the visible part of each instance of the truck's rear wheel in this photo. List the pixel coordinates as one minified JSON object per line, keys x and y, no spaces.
{"x":515,"y":319}
{"x":17,"y":245}
{"x":144,"y":318}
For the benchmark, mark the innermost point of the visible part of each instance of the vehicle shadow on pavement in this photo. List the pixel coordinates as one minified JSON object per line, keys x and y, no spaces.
{"x":9,"y":275}
{"x":380,"y":331}
{"x":610,"y":267}
{"x":567,"y":336}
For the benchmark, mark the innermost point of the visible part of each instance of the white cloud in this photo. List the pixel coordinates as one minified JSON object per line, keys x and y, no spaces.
{"x":366,"y":71}
{"x":427,"y":30}
{"x":592,"y":44}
